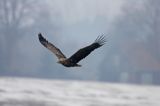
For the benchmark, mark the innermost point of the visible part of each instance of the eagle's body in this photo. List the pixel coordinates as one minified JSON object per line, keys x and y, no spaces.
{"x":67,"y":63}
{"x":75,"y":58}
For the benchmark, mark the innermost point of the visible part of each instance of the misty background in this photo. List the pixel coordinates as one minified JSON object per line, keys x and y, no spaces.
{"x":131,"y":54}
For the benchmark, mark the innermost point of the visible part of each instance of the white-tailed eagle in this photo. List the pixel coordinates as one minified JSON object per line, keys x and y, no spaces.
{"x":75,"y":58}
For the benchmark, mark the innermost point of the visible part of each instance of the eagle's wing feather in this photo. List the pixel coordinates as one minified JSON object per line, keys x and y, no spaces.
{"x":51,"y":47}
{"x":83,"y":52}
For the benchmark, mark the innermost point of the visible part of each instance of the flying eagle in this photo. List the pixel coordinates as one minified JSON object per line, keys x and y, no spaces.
{"x":75,"y":58}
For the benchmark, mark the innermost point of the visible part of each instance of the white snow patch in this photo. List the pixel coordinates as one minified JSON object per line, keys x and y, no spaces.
{"x":40,"y":92}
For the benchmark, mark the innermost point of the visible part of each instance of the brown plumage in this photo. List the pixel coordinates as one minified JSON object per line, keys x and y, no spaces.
{"x":75,"y":58}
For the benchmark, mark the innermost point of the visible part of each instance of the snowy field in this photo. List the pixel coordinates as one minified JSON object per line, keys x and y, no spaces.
{"x":38,"y":92}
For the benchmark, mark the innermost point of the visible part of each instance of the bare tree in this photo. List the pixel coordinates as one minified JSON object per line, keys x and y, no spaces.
{"x":16,"y":16}
{"x":152,"y":16}
{"x":138,"y":26}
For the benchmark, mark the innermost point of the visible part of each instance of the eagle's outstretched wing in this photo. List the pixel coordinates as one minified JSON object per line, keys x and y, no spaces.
{"x":82,"y":53}
{"x":51,"y":47}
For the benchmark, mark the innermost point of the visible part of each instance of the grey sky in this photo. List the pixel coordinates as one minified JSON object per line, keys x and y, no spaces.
{"x":73,"y":11}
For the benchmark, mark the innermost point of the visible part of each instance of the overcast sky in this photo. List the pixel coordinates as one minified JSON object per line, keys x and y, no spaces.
{"x":73,"y":11}
{"x":83,"y":20}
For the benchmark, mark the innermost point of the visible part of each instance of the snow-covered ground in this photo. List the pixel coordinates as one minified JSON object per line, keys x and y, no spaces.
{"x":40,"y":92}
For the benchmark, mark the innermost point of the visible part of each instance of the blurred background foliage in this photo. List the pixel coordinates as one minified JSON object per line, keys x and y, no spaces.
{"x":131,"y":55}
